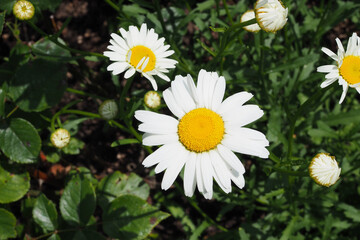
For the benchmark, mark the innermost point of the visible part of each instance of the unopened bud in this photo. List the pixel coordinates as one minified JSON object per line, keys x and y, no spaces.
{"x":108,"y":110}
{"x":152,"y":99}
{"x":60,"y":138}
{"x":23,"y":10}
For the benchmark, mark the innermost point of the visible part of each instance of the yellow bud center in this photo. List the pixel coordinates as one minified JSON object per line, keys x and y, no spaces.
{"x":350,"y":69}
{"x":142,"y":58}
{"x":201,"y":130}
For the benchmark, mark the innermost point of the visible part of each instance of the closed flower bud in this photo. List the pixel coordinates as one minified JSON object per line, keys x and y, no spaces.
{"x":23,"y":10}
{"x":271,"y":15}
{"x":324,"y":169}
{"x":60,"y":138}
{"x":152,"y":99}
{"x":108,"y":110}
{"x":248,"y":15}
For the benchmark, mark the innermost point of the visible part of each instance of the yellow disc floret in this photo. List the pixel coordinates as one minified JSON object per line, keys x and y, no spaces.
{"x":201,"y":130}
{"x":144,"y":54}
{"x":350,"y":69}
{"x":23,"y":10}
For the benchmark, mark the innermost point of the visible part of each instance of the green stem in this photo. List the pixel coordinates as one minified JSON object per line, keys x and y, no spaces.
{"x":227,"y":12}
{"x":82,"y":93}
{"x":113,"y":5}
{"x":290,"y":172}
{"x":12,"y":111}
{"x":43,"y":34}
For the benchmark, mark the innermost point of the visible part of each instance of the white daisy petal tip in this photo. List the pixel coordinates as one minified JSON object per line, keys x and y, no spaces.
{"x":248,"y":15}
{"x":271,"y":15}
{"x":324,"y":169}
{"x":347,"y":69}
{"x":198,"y":135}
{"x":141,"y":51}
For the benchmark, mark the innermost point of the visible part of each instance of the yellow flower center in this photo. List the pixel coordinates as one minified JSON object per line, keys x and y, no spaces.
{"x":143,"y":54}
{"x":350,"y":69}
{"x":201,"y":130}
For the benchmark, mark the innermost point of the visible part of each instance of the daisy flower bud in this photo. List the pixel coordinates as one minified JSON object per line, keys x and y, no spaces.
{"x":347,"y":68}
{"x":60,"y":138}
{"x":271,"y":15}
{"x":324,"y":169}
{"x":23,"y":10}
{"x":152,"y":99}
{"x":248,"y":15}
{"x":108,"y":110}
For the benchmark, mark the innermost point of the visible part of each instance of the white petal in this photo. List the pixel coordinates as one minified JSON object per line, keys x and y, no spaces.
{"x":326,"y":68}
{"x":230,"y":158}
{"x":120,"y":41}
{"x":150,"y":139}
{"x":327,"y":82}
{"x":163,"y":153}
{"x":181,"y":95}
{"x":152,"y":81}
{"x":200,"y":86}
{"x":189,"y":175}
{"x":172,"y":104}
{"x":242,"y":116}
{"x":207,"y":172}
{"x":219,"y":92}
{"x":221,"y":173}
{"x":234,"y":101}
{"x":345,"y":89}
{"x":330,"y":53}
{"x":174,"y":169}
{"x":129,"y":72}
{"x":198,"y":172}
{"x":246,"y":145}
{"x":118,"y":67}
{"x":153,"y":117}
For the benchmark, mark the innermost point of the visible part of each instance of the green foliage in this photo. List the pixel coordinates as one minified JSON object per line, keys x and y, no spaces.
{"x":45,"y":214}
{"x":13,"y":185}
{"x":19,"y":140}
{"x":130,"y":217}
{"x":2,"y":21}
{"x":7,"y":224}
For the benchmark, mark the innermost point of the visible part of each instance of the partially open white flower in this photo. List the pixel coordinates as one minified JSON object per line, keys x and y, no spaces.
{"x":248,"y":15}
{"x":60,"y":138}
{"x":23,"y":10}
{"x":203,"y":135}
{"x":152,"y":99}
{"x":140,"y":51}
{"x":271,"y":15}
{"x":347,"y":69}
{"x":324,"y":169}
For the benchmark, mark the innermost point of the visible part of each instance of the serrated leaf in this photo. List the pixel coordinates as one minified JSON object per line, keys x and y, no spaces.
{"x":7,"y":224}
{"x":130,"y":217}
{"x":19,"y":140}
{"x":13,"y":185}
{"x":344,"y":118}
{"x":118,"y":184}
{"x":45,"y":214}
{"x":74,"y":146}
{"x":38,"y":85}
{"x":77,"y":203}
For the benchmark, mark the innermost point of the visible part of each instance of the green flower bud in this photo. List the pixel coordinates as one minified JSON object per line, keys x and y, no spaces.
{"x":60,"y":138}
{"x":108,"y":110}
{"x":23,"y":10}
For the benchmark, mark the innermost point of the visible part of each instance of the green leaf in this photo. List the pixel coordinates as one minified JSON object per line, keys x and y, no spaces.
{"x":350,"y":211}
{"x":124,"y":142}
{"x":344,"y":118}
{"x":38,"y":85}
{"x":77,"y":203}
{"x":74,"y":146}
{"x":118,"y":184}
{"x":49,"y":50}
{"x":45,"y":214}
{"x":130,"y":217}
{"x":13,"y":185}
{"x":7,"y":224}
{"x":2,"y":103}
{"x":295,"y":63}
{"x":2,"y":21}
{"x":19,"y":140}
{"x":7,"y":5}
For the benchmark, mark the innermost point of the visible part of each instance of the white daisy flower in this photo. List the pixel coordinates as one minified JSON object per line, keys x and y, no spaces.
{"x":140,"y":51}
{"x":271,"y":15}
{"x":248,"y":15}
{"x":23,"y":10}
{"x":324,"y":169}
{"x":347,"y":70}
{"x":60,"y":138}
{"x":203,"y":135}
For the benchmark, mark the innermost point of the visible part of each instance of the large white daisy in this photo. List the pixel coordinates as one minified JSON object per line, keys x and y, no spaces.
{"x":271,"y":15}
{"x":347,"y":70}
{"x":203,"y":135}
{"x":140,"y":51}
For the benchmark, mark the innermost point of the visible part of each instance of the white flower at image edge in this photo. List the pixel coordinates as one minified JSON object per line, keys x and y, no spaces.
{"x":203,"y":135}
{"x":347,"y":69}
{"x":324,"y":169}
{"x":140,"y":51}
{"x":271,"y":15}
